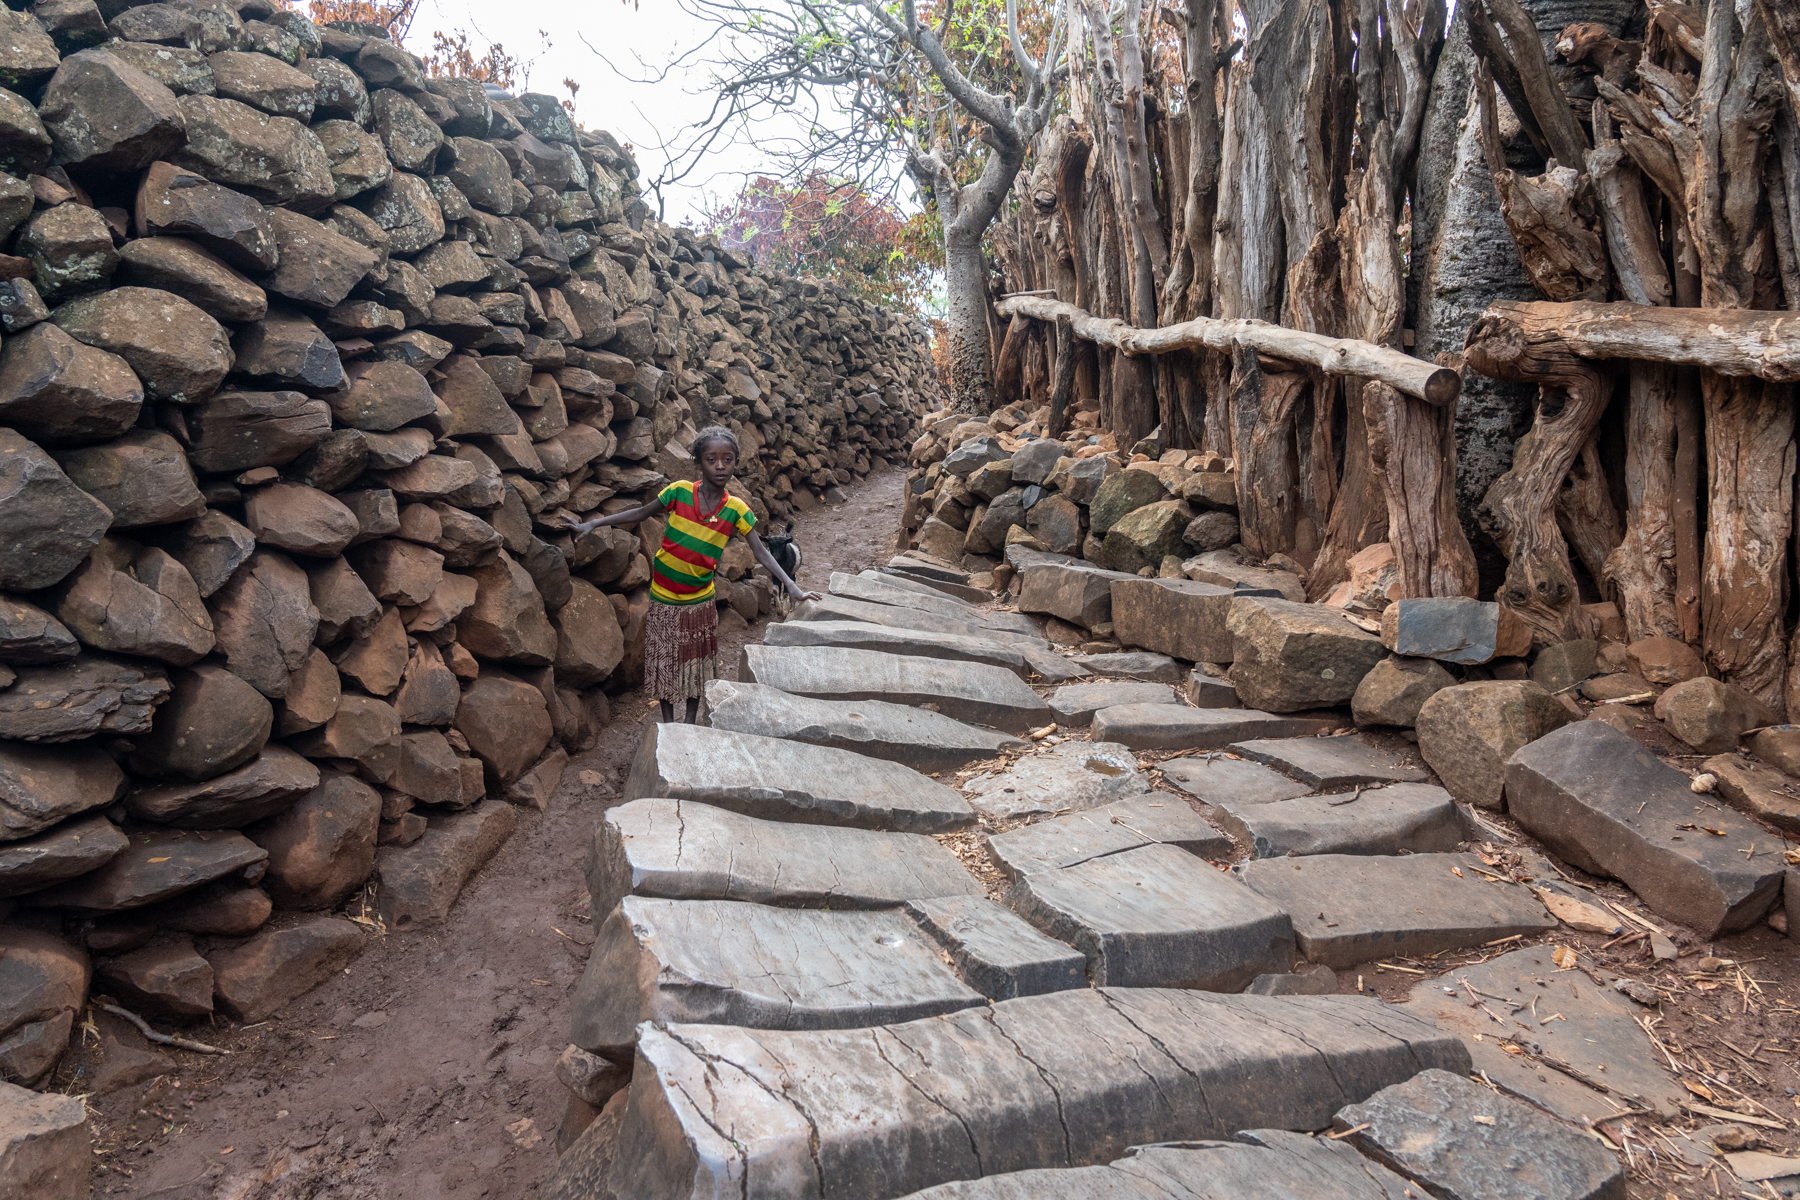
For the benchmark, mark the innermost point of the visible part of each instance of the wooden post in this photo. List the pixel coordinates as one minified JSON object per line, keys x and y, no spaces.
{"x":1065,"y":378}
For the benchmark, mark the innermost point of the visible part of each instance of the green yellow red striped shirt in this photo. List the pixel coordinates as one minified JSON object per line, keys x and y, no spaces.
{"x":692,"y":543}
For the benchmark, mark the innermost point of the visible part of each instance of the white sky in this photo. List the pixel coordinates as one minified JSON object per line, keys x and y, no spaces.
{"x":641,"y":114}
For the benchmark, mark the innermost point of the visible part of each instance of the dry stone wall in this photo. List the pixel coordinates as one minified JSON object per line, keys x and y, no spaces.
{"x":304,"y":354}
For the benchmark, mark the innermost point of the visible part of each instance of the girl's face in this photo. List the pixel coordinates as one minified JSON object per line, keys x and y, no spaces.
{"x":717,"y":461}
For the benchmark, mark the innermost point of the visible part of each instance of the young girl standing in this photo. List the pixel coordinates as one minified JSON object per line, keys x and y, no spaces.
{"x":681,"y":634}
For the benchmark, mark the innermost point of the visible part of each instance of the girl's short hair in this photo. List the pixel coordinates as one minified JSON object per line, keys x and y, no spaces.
{"x":716,"y":433}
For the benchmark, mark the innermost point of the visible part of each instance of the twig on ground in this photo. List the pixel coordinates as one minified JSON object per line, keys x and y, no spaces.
{"x":161,"y":1039}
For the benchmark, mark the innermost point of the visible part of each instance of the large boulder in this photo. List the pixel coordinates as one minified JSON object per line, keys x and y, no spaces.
{"x":507,"y":621}
{"x":1711,"y":715}
{"x":287,"y":350}
{"x":255,"y":979}
{"x":265,"y":622}
{"x":136,"y":600}
{"x":1180,"y":617}
{"x":42,"y":785}
{"x":211,"y":723}
{"x":71,"y":251}
{"x":179,"y":353}
{"x":318,"y":265}
{"x":1468,"y":732}
{"x":105,"y":114}
{"x":236,"y":430}
{"x":1123,"y":493}
{"x":265,"y":82}
{"x":143,"y":478}
{"x":363,"y":730}
{"x":47,"y":524}
{"x":507,"y":725}
{"x":323,"y":847}
{"x":43,"y":989}
{"x":178,"y":203}
{"x":1395,"y":689}
{"x":300,"y":519}
{"x":1146,"y":535}
{"x":265,"y":785}
{"x":274,"y":159}
{"x":30,"y":636}
{"x":182,"y":267}
{"x":589,"y":642}
{"x":46,"y":1144}
{"x":384,"y":396}
{"x":1289,"y":656}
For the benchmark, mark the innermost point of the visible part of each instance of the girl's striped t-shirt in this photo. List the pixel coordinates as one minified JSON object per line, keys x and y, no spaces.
{"x":692,"y":543}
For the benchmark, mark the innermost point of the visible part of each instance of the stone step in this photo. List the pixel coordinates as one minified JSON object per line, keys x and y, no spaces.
{"x":919,"y":643}
{"x":1333,"y":764}
{"x":921,"y":739}
{"x":1076,"y":703}
{"x":1602,"y":802}
{"x":1353,"y":908}
{"x":420,"y":882}
{"x":944,"y":587}
{"x":1072,"y":775}
{"x":1177,"y":727}
{"x":975,"y":692}
{"x":1179,"y":617}
{"x":1075,"y":591}
{"x":1209,"y":691}
{"x":994,"y":951}
{"x":1263,"y":1164}
{"x":1069,"y":1079}
{"x":844,"y":608}
{"x":722,"y":962}
{"x":1214,"y":779}
{"x":872,"y":588}
{"x":922,"y":566}
{"x":1157,"y":916}
{"x":1132,"y":664}
{"x":682,"y":850}
{"x":789,"y":781}
{"x":1148,"y":820}
{"x":1415,"y":817}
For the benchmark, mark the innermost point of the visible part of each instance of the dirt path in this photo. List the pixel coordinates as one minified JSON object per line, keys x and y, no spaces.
{"x":424,"y":1072}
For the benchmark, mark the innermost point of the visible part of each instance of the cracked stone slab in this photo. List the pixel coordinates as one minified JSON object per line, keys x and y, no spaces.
{"x":1025,"y":1084}
{"x":1144,"y":665}
{"x":780,"y":780}
{"x":995,"y":952}
{"x":1071,"y":775}
{"x":722,"y":962}
{"x":1153,"y":819}
{"x":1264,"y":1164}
{"x":681,"y":850}
{"x":879,"y":589}
{"x":1353,"y":908}
{"x":1599,"y":1028}
{"x":917,"y":737}
{"x":1415,"y":817}
{"x":1214,"y":778}
{"x":1461,"y":1141}
{"x":1604,"y":803}
{"x":1332,"y":764}
{"x":963,"y":691}
{"x":1177,"y":727}
{"x":1076,"y":703}
{"x":1157,"y":916}
{"x":919,"y":643}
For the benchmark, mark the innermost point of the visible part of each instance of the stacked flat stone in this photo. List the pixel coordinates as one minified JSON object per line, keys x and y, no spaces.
{"x":305,"y":354}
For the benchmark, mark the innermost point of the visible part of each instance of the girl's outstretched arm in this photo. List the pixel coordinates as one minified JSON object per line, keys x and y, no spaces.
{"x":642,"y":512}
{"x":774,"y":568}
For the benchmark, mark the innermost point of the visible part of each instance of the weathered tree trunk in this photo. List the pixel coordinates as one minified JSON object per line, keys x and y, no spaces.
{"x":1412,"y":446}
{"x":1588,"y":519}
{"x":1263,"y":444}
{"x":1643,"y":566}
{"x":1064,"y":382}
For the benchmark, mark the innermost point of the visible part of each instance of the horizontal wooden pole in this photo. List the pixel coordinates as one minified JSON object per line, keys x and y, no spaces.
{"x":1335,"y":356}
{"x":1729,"y":341}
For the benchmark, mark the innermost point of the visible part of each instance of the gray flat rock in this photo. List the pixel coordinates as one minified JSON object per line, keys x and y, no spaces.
{"x":720,"y":962}
{"x":1353,"y":908}
{"x":995,"y":952}
{"x":1601,"y":801}
{"x":158,"y":863}
{"x":922,"y":566}
{"x":844,"y":608}
{"x":974,"y":692}
{"x":917,"y":737}
{"x":681,"y":850}
{"x":1333,"y":764}
{"x":1076,"y":703}
{"x":1181,"y":617}
{"x":62,"y":852}
{"x":1147,"y":820}
{"x":1463,"y":1142}
{"x":1214,"y":779}
{"x":1415,"y":817}
{"x":1158,"y":917}
{"x":1599,"y":1029}
{"x":1209,"y":691}
{"x":1073,"y":775}
{"x":879,"y":589}
{"x":1050,"y":666}
{"x":1074,"y":590}
{"x":789,"y":781}
{"x":420,"y":882}
{"x":932,"y":586}
{"x":1020,"y":1085}
{"x":1132,"y":664}
{"x":860,"y":635}
{"x":1268,"y":1164}
{"x":1177,"y":727}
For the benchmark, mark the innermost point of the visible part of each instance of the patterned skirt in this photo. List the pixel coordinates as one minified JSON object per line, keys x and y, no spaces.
{"x":681,"y":650}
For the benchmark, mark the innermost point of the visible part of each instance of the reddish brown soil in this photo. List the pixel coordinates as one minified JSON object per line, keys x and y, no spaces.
{"x":425,"y":1071}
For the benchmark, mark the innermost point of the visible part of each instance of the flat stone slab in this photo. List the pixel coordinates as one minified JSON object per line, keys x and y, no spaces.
{"x":878,"y":589}
{"x":1177,"y":727}
{"x":917,"y":737}
{"x":1076,"y":703}
{"x":1266,"y":1164}
{"x":1604,"y":803}
{"x":46,"y":1144}
{"x":844,"y":608}
{"x":1132,"y":664}
{"x":1332,"y":764}
{"x":789,"y":781}
{"x":974,"y":692}
{"x":919,"y":643}
{"x":721,"y":962}
{"x":1072,"y":589}
{"x":682,"y":850}
{"x":1415,"y":817}
{"x":1147,"y":820}
{"x":1051,"y":667}
{"x":1073,"y":775}
{"x":420,"y":882}
{"x":158,"y":863}
{"x":995,"y":952}
{"x":1463,"y":1142}
{"x":1180,"y":617}
{"x":944,"y":587}
{"x":61,"y":852}
{"x":1354,"y":908}
{"x":1158,"y":917}
{"x":923,"y":566}
{"x":1214,"y":779}
{"x":875,"y":1114}
{"x":1599,"y":1028}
